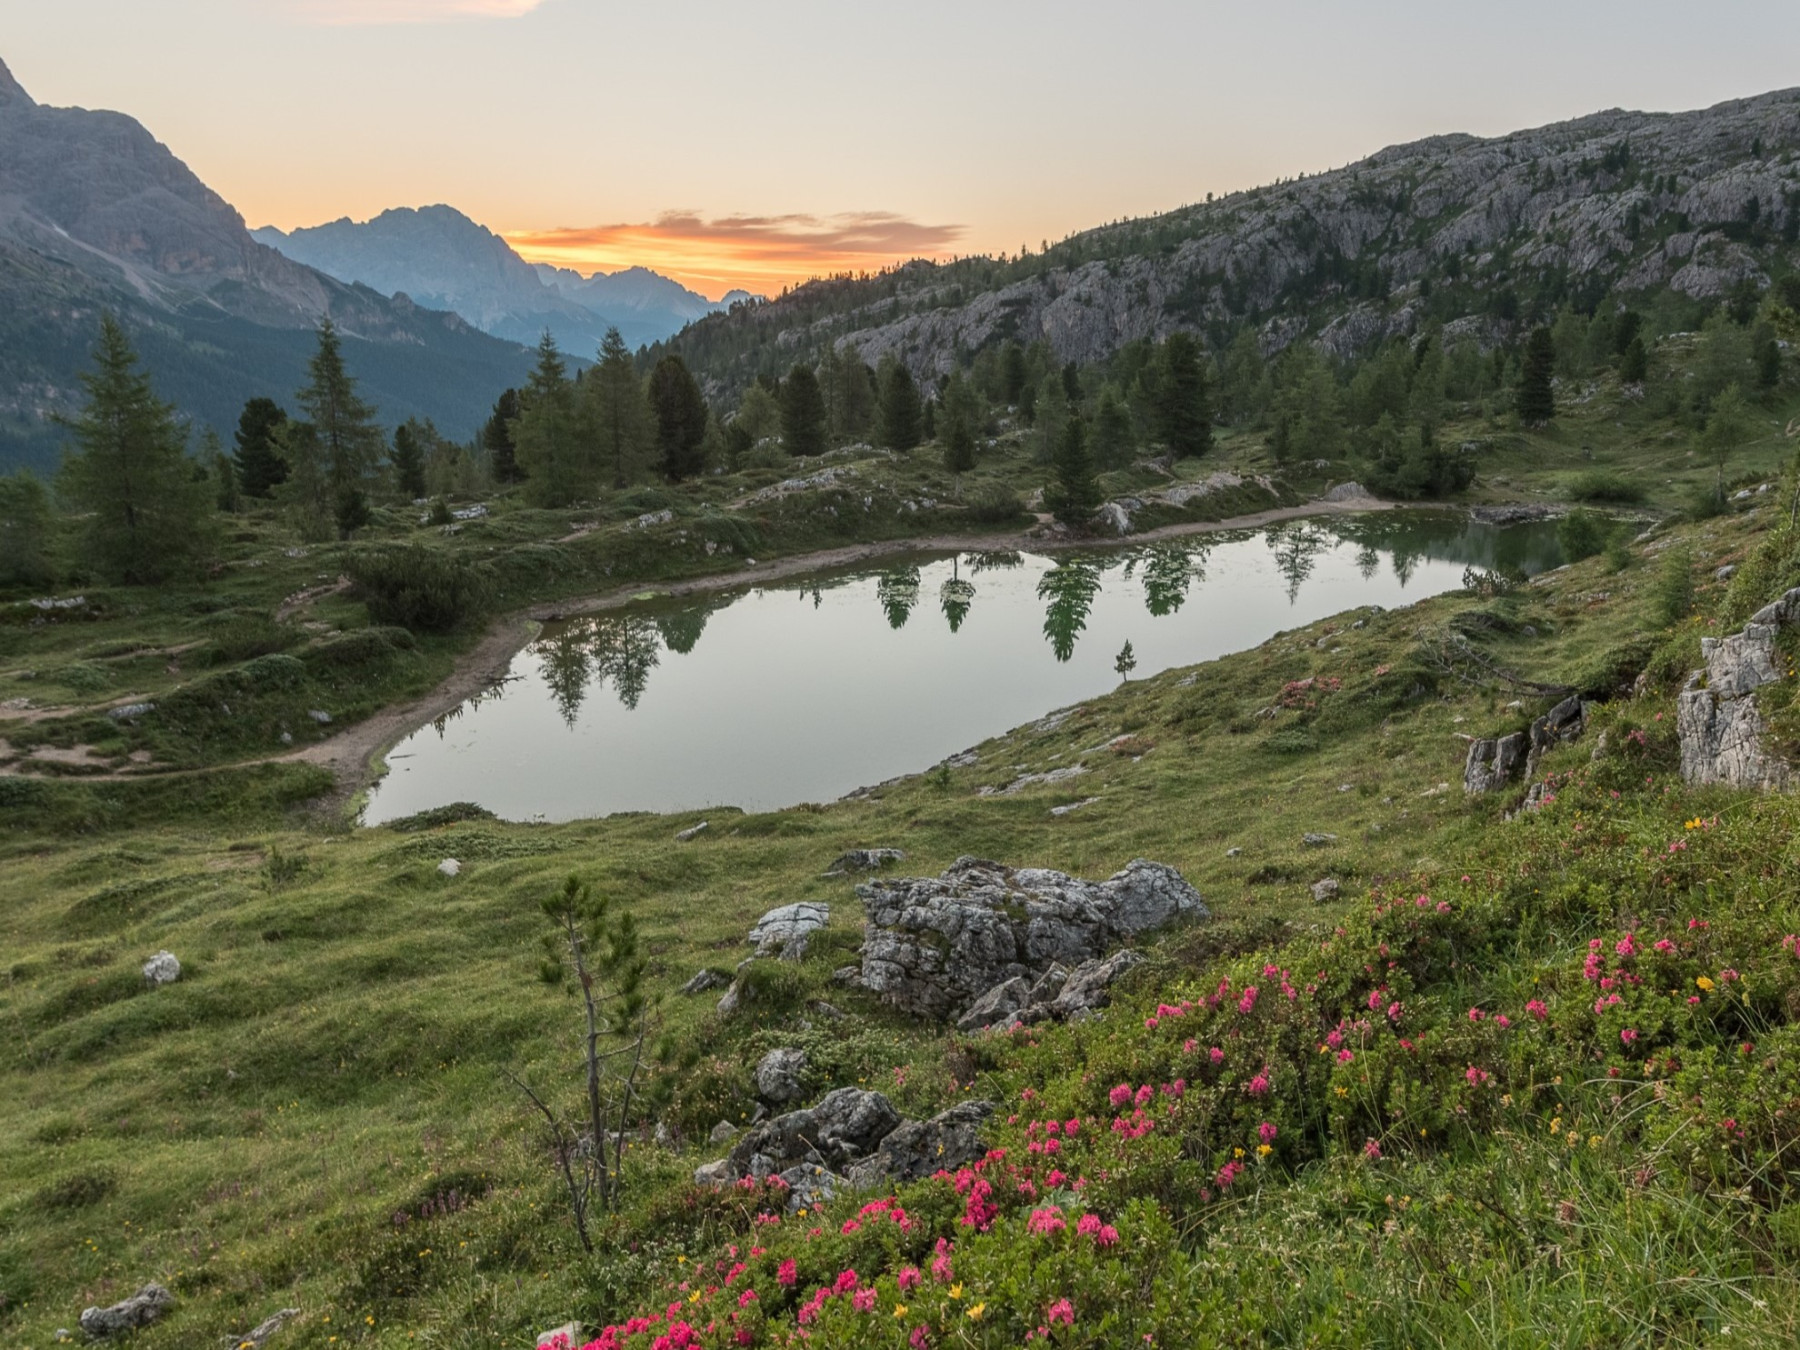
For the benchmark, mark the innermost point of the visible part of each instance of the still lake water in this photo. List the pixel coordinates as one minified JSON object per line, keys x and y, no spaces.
{"x":806,"y":689}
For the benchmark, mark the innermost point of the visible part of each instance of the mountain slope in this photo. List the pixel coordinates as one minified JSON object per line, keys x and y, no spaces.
{"x":96,"y":215}
{"x":440,"y":257}
{"x":1479,"y":235}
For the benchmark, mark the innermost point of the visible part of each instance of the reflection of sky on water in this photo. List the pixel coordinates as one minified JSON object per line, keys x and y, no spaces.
{"x":803,"y":692}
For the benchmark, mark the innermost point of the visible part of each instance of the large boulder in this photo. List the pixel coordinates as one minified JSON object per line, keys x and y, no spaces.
{"x":784,"y":931}
{"x":844,"y":1126}
{"x":916,"y":1149}
{"x":934,"y":945}
{"x":1717,"y":719}
{"x":140,"y":1310}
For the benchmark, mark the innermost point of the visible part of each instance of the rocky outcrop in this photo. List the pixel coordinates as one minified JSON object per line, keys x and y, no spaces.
{"x":784,"y":931}
{"x":704,"y":980}
{"x":140,"y":1310}
{"x":933,"y":945}
{"x":851,"y":1139}
{"x":845,"y":1125}
{"x":1718,"y":721}
{"x":1565,"y":722}
{"x":1089,"y":986}
{"x":1492,"y":764}
{"x":916,"y":1149}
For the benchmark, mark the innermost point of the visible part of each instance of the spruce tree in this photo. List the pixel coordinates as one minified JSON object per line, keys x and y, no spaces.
{"x":959,"y":426}
{"x":617,"y":413}
{"x":408,"y":461}
{"x":1634,"y":363}
{"x":1183,"y":402}
{"x":1537,"y":398}
{"x":680,"y":413}
{"x":1013,"y":374}
{"x":1073,"y":492}
{"x":546,"y":432}
{"x":1113,"y":439}
{"x":224,"y":473}
{"x":901,"y":418}
{"x":260,"y":467}
{"x":802,"y":413}
{"x":497,"y":439}
{"x":148,"y":515}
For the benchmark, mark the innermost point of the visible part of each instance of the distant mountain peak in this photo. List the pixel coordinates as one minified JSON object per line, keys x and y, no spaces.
{"x":11,"y":91}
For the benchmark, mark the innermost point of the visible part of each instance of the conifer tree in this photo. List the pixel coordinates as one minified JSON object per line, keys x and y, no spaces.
{"x":24,"y":532}
{"x":497,"y":439}
{"x":219,"y":465}
{"x":1537,"y":398}
{"x":900,"y":423}
{"x":1013,"y":374}
{"x":616,"y":411}
{"x":1634,"y":362}
{"x":1113,"y":439}
{"x":260,"y":467}
{"x":959,"y":426}
{"x":802,"y":413}
{"x":408,"y":461}
{"x":148,"y":514}
{"x":680,"y":413}
{"x":1183,"y":402}
{"x":338,"y":447}
{"x":546,"y":432}
{"x":1073,"y":492}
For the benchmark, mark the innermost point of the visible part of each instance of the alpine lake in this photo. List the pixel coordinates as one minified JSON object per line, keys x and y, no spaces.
{"x":805,"y":690}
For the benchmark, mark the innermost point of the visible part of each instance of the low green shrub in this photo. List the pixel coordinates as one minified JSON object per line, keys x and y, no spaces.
{"x":424,"y":589}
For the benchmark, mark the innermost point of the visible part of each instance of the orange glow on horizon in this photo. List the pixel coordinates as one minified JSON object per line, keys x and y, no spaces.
{"x":760,"y":254}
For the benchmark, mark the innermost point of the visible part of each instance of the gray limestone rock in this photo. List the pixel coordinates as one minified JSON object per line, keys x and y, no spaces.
{"x":1565,"y":722}
{"x":163,"y":968}
{"x":266,"y":1328}
{"x":692,"y":832}
{"x":1492,"y":764}
{"x":723,"y":1132}
{"x":1087,"y":988}
{"x":843,"y":1126}
{"x":916,"y":1149}
{"x":1717,"y":719}
{"x":716,"y":1173}
{"x":810,"y":1185}
{"x":1314,"y":839}
{"x":779,"y":1073}
{"x":140,"y":1310}
{"x":865,"y":860}
{"x":1325,"y":889}
{"x":704,"y":980}
{"x":777,"y":930}
{"x":936,"y":944}
{"x":997,"y":1006}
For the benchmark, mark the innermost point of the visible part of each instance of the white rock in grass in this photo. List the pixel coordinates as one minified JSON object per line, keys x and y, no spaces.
{"x":449,"y":867}
{"x":162,"y":968}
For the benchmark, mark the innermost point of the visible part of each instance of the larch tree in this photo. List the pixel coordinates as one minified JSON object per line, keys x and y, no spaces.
{"x":147,"y":514}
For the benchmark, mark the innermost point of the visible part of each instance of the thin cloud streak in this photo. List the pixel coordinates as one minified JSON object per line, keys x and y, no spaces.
{"x":742,"y":250}
{"x":347,"y":13}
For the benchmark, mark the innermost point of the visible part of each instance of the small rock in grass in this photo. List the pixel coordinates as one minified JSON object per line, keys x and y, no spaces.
{"x":320,"y":716}
{"x":266,"y":1328}
{"x":693,"y":831}
{"x":1326,"y":888}
{"x":1233,"y":852}
{"x":865,"y":860}
{"x":140,"y":1310}
{"x":161,"y":969}
{"x":704,"y":980}
{"x":449,"y":867}
{"x":1317,"y":840}
{"x":723,"y":1132}
{"x":778,"y":1074}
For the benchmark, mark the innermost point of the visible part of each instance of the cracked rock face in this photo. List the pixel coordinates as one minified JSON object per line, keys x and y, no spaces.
{"x":844,"y":1126}
{"x":140,"y":1310}
{"x":934,"y":945}
{"x":1717,"y":719}
{"x":1492,"y":764}
{"x":778,"y":1075}
{"x":785,"y":930}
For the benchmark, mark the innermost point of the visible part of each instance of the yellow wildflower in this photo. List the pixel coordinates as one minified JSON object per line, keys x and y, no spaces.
{"x":956,"y":1290}
{"x":899,"y":1310}
{"x":1264,"y":1150}
{"x":976,"y":1311}
{"x":1704,"y":984}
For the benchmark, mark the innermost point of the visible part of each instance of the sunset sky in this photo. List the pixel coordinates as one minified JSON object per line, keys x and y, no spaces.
{"x":756,"y":144}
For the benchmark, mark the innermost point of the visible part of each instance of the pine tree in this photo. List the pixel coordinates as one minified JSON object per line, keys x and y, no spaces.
{"x":900,"y":423}
{"x":497,"y":439}
{"x":1125,"y":662}
{"x":260,"y":467}
{"x":1537,"y":398}
{"x":802,"y":413}
{"x":408,"y":461}
{"x":617,"y":412}
{"x":680,"y":413}
{"x":1073,"y":492}
{"x":148,"y":514}
{"x":1634,"y":362}
{"x":1183,"y":402}
{"x":1013,"y":374}
{"x":24,"y":532}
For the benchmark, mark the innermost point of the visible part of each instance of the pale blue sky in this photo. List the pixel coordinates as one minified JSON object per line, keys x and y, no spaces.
{"x":1010,"y":122}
